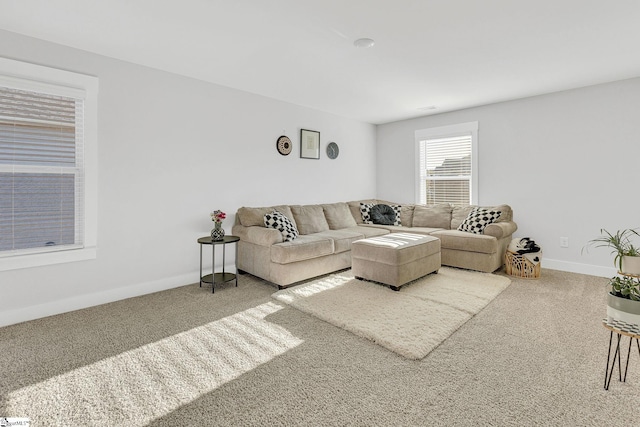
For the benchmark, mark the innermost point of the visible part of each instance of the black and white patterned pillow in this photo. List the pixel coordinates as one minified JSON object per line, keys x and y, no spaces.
{"x":398,"y":209}
{"x":280,"y":222}
{"x":365,"y":211}
{"x":478,"y":219}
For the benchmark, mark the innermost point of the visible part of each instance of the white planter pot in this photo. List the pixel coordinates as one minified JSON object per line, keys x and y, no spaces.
{"x":631,"y":265}
{"x":623,"y":309}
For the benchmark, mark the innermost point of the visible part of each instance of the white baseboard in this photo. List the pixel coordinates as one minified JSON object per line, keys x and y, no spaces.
{"x":10,"y":317}
{"x":575,"y":267}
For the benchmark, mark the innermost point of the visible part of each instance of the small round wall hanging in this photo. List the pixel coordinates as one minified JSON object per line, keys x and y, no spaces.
{"x":284,"y":145}
{"x":332,"y":150}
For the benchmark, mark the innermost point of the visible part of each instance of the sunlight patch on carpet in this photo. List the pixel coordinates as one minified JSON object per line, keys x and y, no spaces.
{"x":143,"y":384}
{"x":411,"y":322}
{"x":314,"y":288}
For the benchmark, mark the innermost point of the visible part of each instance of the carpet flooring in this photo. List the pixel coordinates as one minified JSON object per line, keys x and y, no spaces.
{"x":534,"y":356}
{"x":410,"y":322}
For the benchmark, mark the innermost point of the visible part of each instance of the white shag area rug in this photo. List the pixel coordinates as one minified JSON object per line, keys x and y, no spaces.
{"x":410,"y":322}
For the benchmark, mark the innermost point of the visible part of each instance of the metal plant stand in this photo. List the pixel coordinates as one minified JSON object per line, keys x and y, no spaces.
{"x":620,"y":328}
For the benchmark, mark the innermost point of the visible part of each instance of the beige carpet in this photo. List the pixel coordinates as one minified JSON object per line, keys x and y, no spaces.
{"x":411,"y":322}
{"x":534,"y":356}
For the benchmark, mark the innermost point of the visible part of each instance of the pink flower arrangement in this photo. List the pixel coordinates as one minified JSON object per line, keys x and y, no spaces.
{"x":218,"y":216}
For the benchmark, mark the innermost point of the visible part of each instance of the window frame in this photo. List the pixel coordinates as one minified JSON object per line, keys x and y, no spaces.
{"x":37,"y":78}
{"x":469,"y":128}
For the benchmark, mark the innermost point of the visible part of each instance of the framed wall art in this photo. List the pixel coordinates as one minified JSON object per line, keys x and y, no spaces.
{"x":333,"y":150}
{"x":309,"y":144}
{"x":284,"y":146}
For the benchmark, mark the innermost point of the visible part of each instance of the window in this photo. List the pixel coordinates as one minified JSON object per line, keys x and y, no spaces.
{"x":446,"y":166}
{"x":47,"y":165}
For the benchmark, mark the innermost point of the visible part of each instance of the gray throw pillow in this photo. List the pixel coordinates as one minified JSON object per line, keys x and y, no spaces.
{"x":382,"y":214}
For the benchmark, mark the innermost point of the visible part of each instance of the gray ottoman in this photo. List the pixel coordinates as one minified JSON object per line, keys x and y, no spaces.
{"x":395,"y":259}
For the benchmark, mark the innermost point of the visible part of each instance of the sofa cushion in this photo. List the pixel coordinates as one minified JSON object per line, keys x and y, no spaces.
{"x":255,"y":216}
{"x":463,"y":241}
{"x":281,"y":223}
{"x":303,"y":248}
{"x":338,"y":216}
{"x":459,"y":214}
{"x":432,"y":216}
{"x":406,"y":215}
{"x":402,"y":229}
{"x":478,"y":219}
{"x":342,"y":239}
{"x":369,"y":230}
{"x":309,"y":218}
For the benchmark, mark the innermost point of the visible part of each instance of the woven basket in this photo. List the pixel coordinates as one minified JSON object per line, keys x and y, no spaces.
{"x":519,"y":266}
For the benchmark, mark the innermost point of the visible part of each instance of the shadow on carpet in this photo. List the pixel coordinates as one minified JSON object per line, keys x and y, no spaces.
{"x":410,"y":322}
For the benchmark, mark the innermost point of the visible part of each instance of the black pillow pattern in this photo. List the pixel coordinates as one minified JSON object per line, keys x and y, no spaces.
{"x":280,"y":222}
{"x":383,"y":214}
{"x":397,"y":209}
{"x":478,"y":219}
{"x":365,"y":209}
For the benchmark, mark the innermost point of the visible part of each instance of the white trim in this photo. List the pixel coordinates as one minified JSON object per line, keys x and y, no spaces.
{"x":26,"y":76}
{"x":10,"y":317}
{"x":443,"y":132}
{"x":15,"y":262}
{"x":475,"y":176}
{"x":449,"y":130}
{"x":417,"y":172}
{"x":575,"y":267}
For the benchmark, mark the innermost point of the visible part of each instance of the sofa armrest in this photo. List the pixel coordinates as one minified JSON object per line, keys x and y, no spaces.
{"x":501,"y":229}
{"x":261,"y":236}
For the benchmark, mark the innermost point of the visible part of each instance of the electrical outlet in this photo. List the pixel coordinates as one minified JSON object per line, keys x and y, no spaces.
{"x":564,"y":242}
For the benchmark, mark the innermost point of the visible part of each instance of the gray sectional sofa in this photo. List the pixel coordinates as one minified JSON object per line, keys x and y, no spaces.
{"x":327,"y":231}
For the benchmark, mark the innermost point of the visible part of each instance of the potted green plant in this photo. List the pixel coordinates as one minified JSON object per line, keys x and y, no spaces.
{"x":623,"y":301}
{"x":627,"y":256}
{"x":625,"y":287}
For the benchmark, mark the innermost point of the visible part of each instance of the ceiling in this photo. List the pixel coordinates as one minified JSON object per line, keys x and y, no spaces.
{"x":430,"y":56}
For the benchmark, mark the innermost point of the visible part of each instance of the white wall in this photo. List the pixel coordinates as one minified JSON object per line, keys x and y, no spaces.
{"x":566,"y":162}
{"x":170,"y":150}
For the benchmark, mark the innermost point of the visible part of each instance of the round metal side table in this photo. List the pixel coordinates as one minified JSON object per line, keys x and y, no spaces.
{"x":223,"y":276}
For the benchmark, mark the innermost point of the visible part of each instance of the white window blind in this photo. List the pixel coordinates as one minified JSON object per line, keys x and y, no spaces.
{"x":445,"y":170}
{"x":41,"y":172}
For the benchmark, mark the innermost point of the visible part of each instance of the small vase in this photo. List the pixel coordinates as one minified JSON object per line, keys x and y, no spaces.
{"x":217,"y":233}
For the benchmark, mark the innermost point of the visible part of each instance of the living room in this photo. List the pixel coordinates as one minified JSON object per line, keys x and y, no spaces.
{"x":173,"y":148}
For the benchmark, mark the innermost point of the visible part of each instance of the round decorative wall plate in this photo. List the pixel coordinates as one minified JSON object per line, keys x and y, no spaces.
{"x":284,"y":145}
{"x":332,"y":150}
